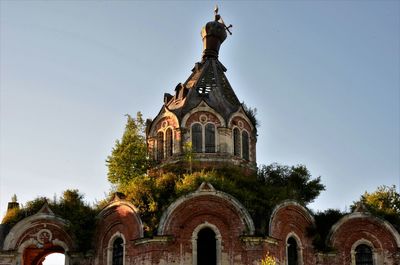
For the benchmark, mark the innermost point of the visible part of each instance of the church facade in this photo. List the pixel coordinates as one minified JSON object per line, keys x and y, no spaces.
{"x":206,"y":227}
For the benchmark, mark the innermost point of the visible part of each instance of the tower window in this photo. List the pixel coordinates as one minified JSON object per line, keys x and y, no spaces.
{"x":203,"y":140}
{"x":168,"y":142}
{"x":245,"y":145}
{"x":160,"y":145}
{"x":197,"y":135}
{"x":206,"y":247}
{"x":236,"y":142}
{"x":118,"y":252}
{"x":363,"y":255}
{"x":292,"y":255}
{"x":210,"y":138}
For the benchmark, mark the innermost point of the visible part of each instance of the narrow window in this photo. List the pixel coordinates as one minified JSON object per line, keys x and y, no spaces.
{"x":363,"y":255}
{"x":197,"y":143}
{"x":210,"y":138}
{"x":160,"y":145}
{"x":168,"y":144}
{"x":245,"y":145}
{"x":292,"y":254}
{"x":206,"y":247}
{"x":236,"y":142}
{"x":118,"y":252}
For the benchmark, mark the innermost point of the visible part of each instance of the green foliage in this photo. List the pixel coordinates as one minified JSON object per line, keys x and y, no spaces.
{"x":323,"y":224}
{"x":251,"y":114}
{"x":188,"y":155}
{"x":152,"y":194}
{"x":384,"y":202}
{"x":291,"y":182}
{"x":70,"y":207}
{"x":128,"y":159}
{"x":12,"y":217}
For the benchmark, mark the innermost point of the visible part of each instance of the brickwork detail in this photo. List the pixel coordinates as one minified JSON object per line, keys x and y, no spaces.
{"x":35,"y":237}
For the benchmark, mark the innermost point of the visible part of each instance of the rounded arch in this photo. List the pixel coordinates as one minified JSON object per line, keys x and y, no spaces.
{"x":118,"y":219}
{"x":169,"y":141}
{"x":164,"y":113}
{"x":115,"y":236}
{"x":208,"y":193}
{"x":237,"y":139}
{"x":204,"y":137}
{"x":110,"y":247}
{"x":290,"y":218}
{"x":360,"y":242}
{"x":39,"y":235}
{"x":210,"y":138}
{"x":241,"y":114}
{"x":296,"y":237}
{"x":353,"y":217}
{"x":362,"y":227}
{"x":113,"y":206}
{"x":44,"y":223}
{"x":218,"y":238}
{"x":54,"y":257}
{"x":299,"y":210}
{"x":299,"y":247}
{"x":196,"y":136}
{"x":202,"y":107}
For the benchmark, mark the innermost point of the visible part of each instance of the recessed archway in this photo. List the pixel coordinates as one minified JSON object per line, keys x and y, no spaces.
{"x":33,"y":255}
{"x":54,"y":259}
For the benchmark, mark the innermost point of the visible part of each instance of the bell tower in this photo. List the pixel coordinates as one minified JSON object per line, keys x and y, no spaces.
{"x":204,"y":119}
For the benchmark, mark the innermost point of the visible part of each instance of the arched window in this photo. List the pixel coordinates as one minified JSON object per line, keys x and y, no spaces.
{"x":292,"y":255}
{"x":236,"y":142}
{"x":206,"y":247}
{"x":160,"y":145}
{"x":168,"y":142}
{"x":197,"y":135}
{"x":245,"y":145}
{"x":210,"y":138}
{"x":364,"y":255}
{"x":118,"y":252}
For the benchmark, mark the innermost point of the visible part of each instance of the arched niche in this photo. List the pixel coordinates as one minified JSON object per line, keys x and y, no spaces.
{"x":363,"y":228}
{"x":119,"y":218}
{"x":206,"y":245}
{"x":206,"y":201}
{"x":39,"y":235}
{"x":290,"y":219}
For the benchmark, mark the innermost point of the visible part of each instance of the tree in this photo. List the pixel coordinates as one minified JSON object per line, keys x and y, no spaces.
{"x":324,"y":220}
{"x":385,"y":199}
{"x":384,"y":202}
{"x":291,"y":182}
{"x":128,"y":158}
{"x":70,"y":206}
{"x":153,"y":191}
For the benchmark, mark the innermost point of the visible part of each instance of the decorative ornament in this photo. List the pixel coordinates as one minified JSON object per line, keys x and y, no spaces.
{"x":44,"y":236}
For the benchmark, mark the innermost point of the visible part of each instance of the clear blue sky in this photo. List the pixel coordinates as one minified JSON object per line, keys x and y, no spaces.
{"x":324,"y":76}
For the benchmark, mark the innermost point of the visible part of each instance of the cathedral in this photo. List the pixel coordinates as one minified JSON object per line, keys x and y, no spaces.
{"x":208,"y":226}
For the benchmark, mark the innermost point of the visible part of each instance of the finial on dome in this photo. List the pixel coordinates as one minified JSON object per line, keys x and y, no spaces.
{"x":219,"y":19}
{"x":216,"y":12}
{"x":213,"y":34}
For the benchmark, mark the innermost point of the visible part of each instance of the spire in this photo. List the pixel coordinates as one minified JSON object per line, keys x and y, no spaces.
{"x":213,"y":34}
{"x":207,"y":82}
